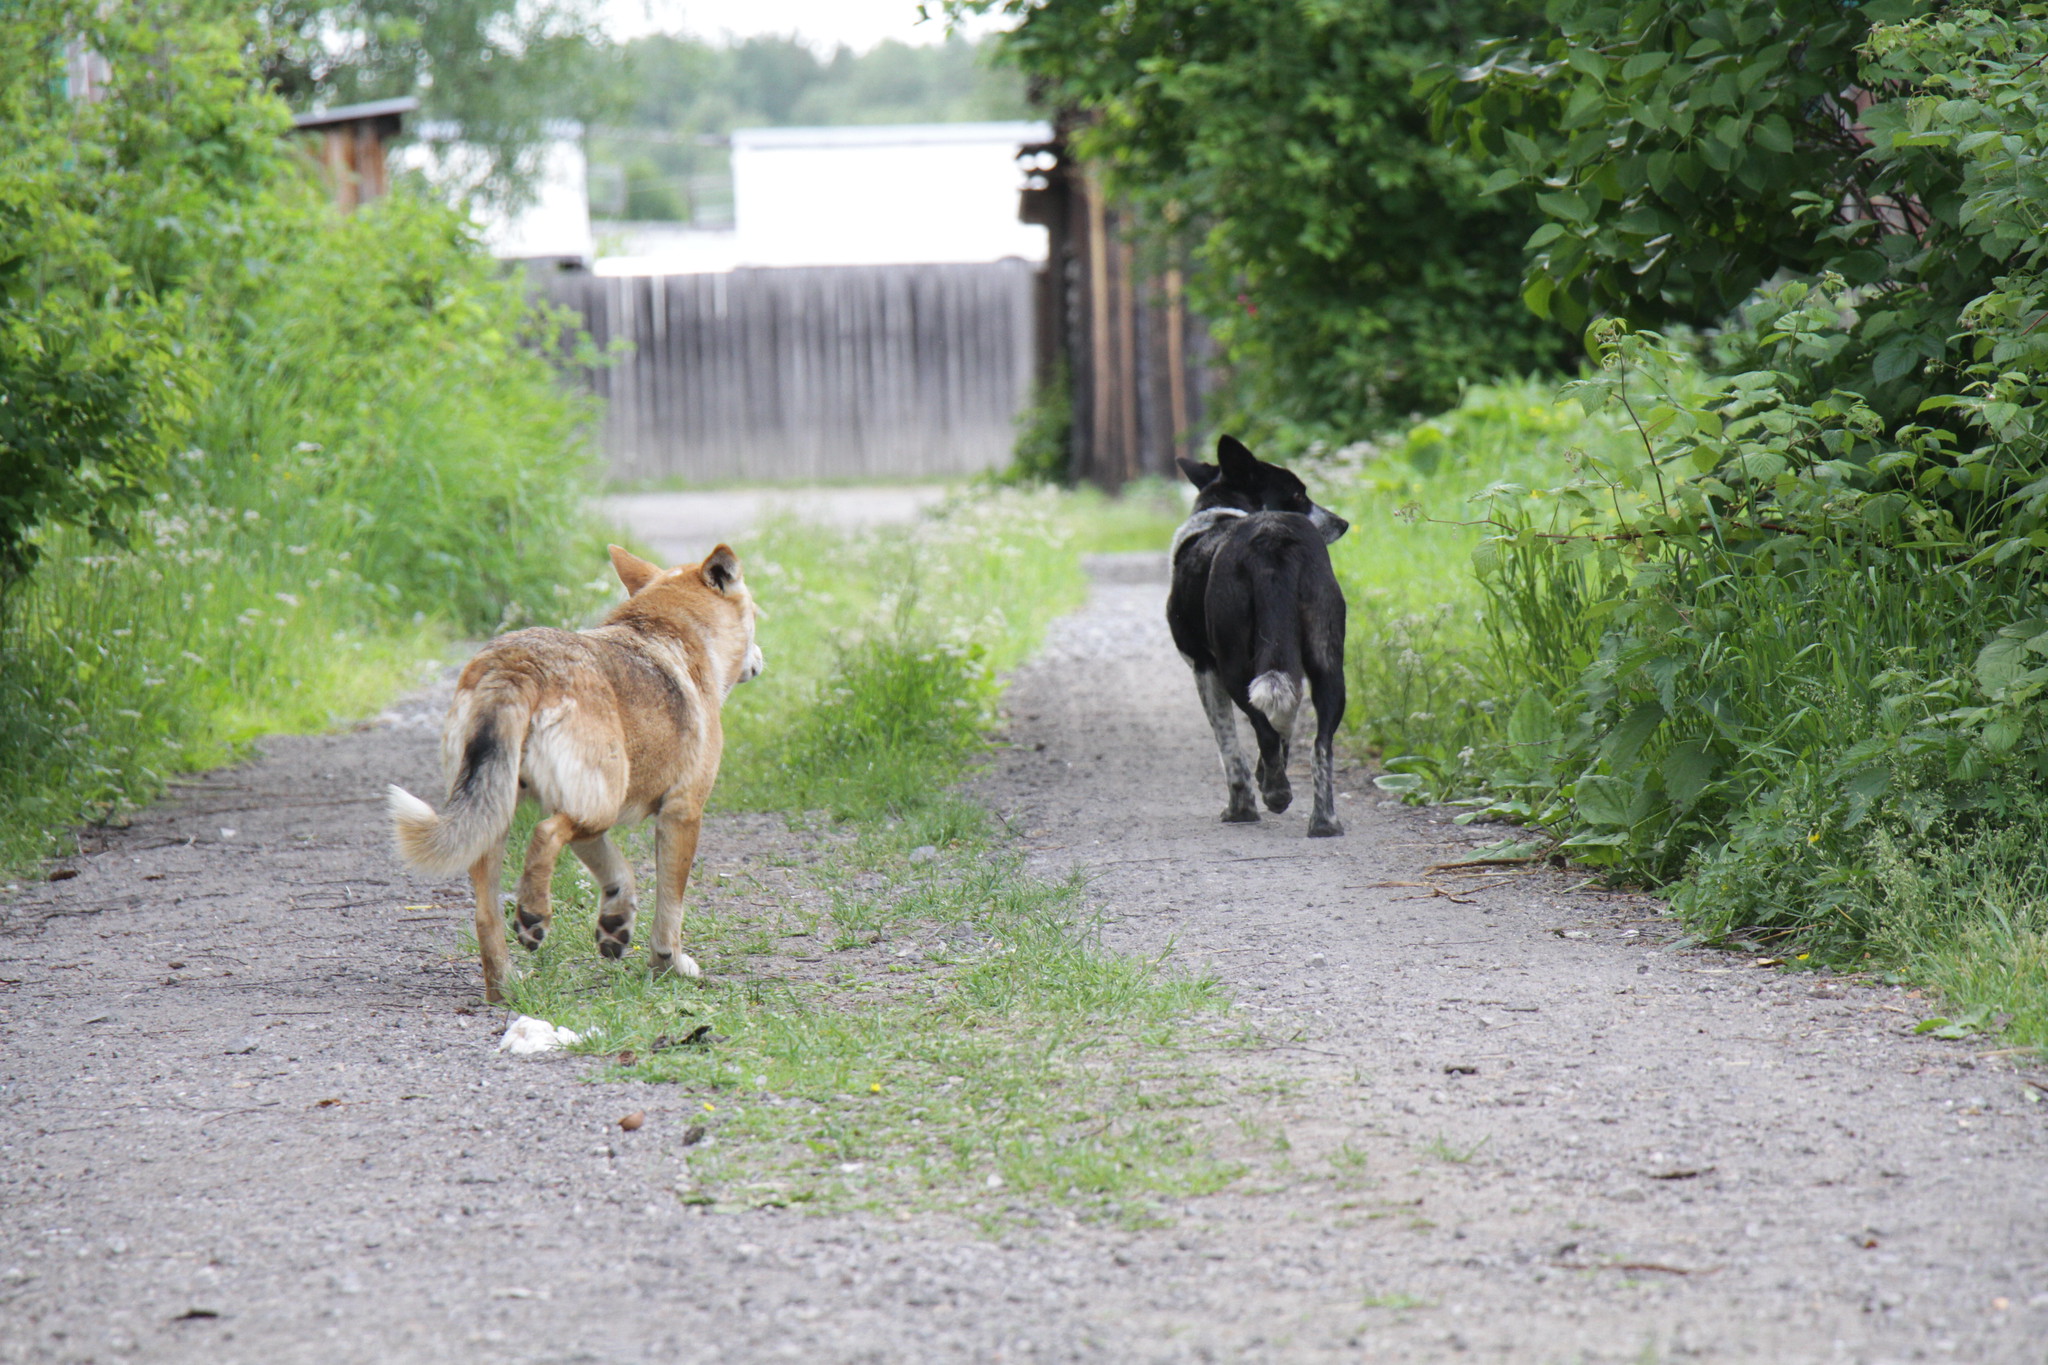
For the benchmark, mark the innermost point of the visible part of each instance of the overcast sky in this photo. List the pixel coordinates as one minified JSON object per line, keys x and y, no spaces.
{"x":825,"y":24}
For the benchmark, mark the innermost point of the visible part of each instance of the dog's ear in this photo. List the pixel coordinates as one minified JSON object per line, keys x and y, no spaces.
{"x":633,"y":571}
{"x":1200,"y":475}
{"x":1239,"y":465}
{"x":721,"y":569}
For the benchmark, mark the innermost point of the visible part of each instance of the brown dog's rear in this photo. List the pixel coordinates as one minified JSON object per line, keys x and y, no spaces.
{"x":600,"y":727}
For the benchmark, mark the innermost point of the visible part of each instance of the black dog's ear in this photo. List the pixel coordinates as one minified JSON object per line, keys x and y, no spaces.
{"x":1200,"y":475}
{"x":1239,"y":465}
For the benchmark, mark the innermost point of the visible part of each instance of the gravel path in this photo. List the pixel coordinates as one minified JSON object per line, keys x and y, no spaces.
{"x":680,"y":526}
{"x":250,"y":1111}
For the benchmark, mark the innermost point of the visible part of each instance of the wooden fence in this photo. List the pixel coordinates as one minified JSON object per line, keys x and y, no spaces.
{"x":791,"y":374}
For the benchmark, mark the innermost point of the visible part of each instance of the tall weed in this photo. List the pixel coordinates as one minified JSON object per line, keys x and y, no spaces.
{"x":1735,"y":655}
{"x":1434,"y":659}
{"x":355,"y":484}
{"x":883,"y":647}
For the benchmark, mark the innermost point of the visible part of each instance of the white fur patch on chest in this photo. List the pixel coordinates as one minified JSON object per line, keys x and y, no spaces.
{"x":1196,"y":525}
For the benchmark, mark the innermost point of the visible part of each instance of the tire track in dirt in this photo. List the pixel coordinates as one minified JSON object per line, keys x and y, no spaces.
{"x":240,"y":1075}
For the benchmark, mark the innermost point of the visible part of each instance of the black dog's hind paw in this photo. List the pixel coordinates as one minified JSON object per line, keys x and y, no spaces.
{"x":1241,"y":815}
{"x":1324,"y":827}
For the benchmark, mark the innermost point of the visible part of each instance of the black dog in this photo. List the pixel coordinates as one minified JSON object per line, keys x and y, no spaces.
{"x":1256,"y":611}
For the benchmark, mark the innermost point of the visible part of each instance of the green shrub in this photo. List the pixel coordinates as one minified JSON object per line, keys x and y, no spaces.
{"x":1045,"y":433}
{"x":1433,"y":661}
{"x":290,"y":451}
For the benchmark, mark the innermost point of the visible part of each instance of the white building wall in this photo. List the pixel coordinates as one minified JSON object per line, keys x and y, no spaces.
{"x":885,"y":195}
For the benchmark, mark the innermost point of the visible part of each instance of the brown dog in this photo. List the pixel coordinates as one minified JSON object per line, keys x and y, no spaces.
{"x":600,"y":727}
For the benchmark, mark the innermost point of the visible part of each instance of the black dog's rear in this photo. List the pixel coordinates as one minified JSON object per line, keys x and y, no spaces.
{"x":1256,"y":611}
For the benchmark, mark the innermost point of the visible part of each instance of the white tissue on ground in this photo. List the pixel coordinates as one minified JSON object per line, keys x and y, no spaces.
{"x":529,"y":1035}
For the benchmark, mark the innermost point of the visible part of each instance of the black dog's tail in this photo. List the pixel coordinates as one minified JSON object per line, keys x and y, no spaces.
{"x":1278,"y":622}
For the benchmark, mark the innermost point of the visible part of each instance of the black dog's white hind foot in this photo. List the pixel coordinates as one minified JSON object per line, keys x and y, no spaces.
{"x":1323,"y":824}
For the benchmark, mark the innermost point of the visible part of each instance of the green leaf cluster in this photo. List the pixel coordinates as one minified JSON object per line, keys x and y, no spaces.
{"x":1685,"y":154}
{"x":1793,"y":637}
{"x":1349,"y":262}
{"x":108,"y":206}
{"x":255,"y":455}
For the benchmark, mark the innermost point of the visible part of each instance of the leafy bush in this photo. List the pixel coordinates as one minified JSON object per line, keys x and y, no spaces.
{"x":1429,"y":655}
{"x":363,"y":448}
{"x":1347,"y":260}
{"x":105,"y":206}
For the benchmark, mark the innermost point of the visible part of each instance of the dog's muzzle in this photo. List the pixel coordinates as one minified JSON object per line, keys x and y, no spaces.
{"x":755,"y":663}
{"x":1327,"y":523}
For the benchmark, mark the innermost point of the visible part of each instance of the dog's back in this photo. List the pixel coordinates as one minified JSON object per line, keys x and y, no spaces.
{"x":1256,"y":610}
{"x":1273,"y":612}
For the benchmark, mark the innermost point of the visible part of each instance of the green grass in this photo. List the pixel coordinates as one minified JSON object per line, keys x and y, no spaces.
{"x":1834,"y":817}
{"x":886,"y":1034}
{"x":898,"y":1015}
{"x":1428,"y":679}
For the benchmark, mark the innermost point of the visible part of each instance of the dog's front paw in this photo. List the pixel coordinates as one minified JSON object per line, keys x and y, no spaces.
{"x":614,"y":935}
{"x":1325,"y":827}
{"x":1241,"y":815}
{"x":679,"y":964}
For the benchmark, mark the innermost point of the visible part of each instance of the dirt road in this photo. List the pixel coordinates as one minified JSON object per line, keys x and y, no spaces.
{"x":249,"y":1110}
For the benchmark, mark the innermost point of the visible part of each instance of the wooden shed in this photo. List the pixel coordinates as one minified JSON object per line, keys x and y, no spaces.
{"x":353,"y":143}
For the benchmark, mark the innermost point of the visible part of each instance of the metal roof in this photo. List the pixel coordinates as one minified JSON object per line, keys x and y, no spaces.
{"x":355,"y":113}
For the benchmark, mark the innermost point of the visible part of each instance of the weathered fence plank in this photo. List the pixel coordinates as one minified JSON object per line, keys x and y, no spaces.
{"x":789,"y":374}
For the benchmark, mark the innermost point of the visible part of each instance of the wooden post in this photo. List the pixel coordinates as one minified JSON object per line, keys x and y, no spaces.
{"x":1176,"y":363}
{"x":1132,"y":461}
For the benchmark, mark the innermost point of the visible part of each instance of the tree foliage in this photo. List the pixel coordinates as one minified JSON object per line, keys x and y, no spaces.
{"x":1799,"y":629}
{"x":498,"y":70}
{"x":107,"y":205}
{"x":1685,"y":154}
{"x":1348,"y":259}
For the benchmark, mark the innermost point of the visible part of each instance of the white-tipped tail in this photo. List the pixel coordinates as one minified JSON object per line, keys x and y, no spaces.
{"x":434,"y":845}
{"x":1279,"y":697}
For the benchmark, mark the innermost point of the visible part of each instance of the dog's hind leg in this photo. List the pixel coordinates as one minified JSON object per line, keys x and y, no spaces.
{"x":537,"y":878}
{"x":616,"y":906}
{"x":1273,"y":738}
{"x":1328,"y":688}
{"x":675,"y":848}
{"x":1273,"y":783}
{"x":490,"y":921}
{"x":1223,"y":723}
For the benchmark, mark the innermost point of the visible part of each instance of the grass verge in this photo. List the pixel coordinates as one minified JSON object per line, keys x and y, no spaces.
{"x":1795,"y":797}
{"x":895,"y":1013}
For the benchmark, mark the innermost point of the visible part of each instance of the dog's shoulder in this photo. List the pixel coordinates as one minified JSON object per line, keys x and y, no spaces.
{"x":649,"y":672}
{"x":1198,"y":533}
{"x":1271,"y":537}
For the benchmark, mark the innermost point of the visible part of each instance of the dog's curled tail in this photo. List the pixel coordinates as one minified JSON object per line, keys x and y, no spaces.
{"x":1278,"y":695}
{"x":481,"y":800}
